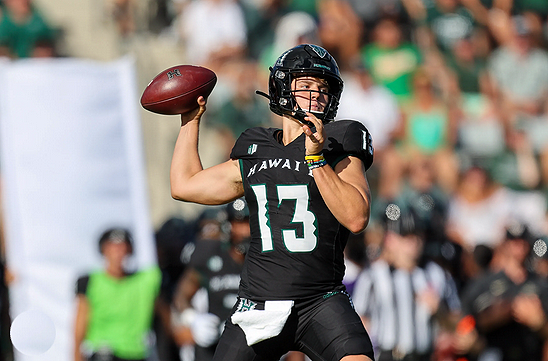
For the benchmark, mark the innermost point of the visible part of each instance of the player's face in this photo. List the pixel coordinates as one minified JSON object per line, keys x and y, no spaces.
{"x":311,"y":93}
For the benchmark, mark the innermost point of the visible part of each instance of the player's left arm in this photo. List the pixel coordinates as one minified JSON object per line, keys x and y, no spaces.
{"x":344,"y":189}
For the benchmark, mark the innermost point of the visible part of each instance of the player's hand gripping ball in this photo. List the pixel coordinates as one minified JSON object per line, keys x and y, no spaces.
{"x":176,"y":90}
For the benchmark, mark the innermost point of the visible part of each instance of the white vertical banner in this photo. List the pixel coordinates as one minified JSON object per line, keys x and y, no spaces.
{"x":71,"y":166}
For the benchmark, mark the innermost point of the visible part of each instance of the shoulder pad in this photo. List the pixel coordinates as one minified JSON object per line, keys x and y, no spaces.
{"x":246,"y":144}
{"x":348,"y":137}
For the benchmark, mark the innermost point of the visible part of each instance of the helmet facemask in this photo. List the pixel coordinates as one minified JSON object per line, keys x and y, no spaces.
{"x":286,"y":99}
{"x":319,"y":101}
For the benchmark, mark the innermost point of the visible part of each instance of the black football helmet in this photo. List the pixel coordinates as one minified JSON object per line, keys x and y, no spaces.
{"x":305,"y":59}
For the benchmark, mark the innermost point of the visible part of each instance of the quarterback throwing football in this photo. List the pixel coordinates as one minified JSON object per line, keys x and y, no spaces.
{"x":306,"y":189}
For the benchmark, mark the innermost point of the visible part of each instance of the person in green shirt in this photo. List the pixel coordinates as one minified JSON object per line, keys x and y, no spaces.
{"x":21,"y":27}
{"x":391,"y":60}
{"x":115,"y":308}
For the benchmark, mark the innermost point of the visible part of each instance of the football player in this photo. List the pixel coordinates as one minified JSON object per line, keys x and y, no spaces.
{"x":214,"y":265}
{"x":306,"y":189}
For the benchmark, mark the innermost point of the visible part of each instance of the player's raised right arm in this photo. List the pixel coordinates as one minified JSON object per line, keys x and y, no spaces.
{"x":190,"y":182}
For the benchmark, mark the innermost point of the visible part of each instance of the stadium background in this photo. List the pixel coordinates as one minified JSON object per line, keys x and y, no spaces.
{"x":148,"y":31}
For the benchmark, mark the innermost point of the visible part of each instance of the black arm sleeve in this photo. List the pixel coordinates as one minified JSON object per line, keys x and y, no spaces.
{"x":82,"y":285}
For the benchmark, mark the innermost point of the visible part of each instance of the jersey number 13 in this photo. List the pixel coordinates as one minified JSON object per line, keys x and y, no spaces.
{"x":301,"y":214}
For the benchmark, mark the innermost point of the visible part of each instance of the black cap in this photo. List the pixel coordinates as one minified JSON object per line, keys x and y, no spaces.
{"x":116,"y":235}
{"x":401,"y":221}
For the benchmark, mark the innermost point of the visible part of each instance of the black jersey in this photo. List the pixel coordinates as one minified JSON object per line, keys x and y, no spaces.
{"x":297,"y":244}
{"x":220,"y":275}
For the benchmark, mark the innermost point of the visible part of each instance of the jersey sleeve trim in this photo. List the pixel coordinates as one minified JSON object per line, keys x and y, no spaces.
{"x":241,"y":162}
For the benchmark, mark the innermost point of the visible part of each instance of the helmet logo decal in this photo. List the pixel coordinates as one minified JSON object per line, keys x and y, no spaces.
{"x":319,"y":50}
{"x":322,"y":66}
{"x":282,"y":58}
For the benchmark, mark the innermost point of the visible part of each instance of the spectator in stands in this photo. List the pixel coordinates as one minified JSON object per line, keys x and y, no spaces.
{"x":509,"y":305}
{"x":519,"y":69}
{"x":520,"y":76}
{"x":451,"y":21}
{"x":115,"y":307}
{"x":371,"y":11}
{"x":370,"y":103}
{"x":390,"y":58}
{"x":242,"y":109}
{"x":429,"y":129}
{"x":430,"y":205}
{"x":441,"y":23}
{"x":123,"y":12}
{"x":401,"y":301}
{"x":465,"y":61}
{"x":478,"y":213}
{"x":516,"y":166}
{"x":481,"y":129}
{"x":340,"y":31}
{"x":292,"y":29}
{"x":21,"y":26}
{"x":262,"y":18}
{"x":214,"y":266}
{"x":211,"y":31}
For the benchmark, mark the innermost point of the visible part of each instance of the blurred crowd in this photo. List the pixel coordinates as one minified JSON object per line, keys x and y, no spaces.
{"x":455,"y":95}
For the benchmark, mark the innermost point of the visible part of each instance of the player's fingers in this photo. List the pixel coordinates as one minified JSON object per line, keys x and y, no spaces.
{"x":202,"y":103}
{"x":307,"y":130}
{"x":317,"y":132}
{"x":194,"y":114}
{"x":312,"y":118}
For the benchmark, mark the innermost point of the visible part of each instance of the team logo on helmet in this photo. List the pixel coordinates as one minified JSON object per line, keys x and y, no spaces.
{"x":281,"y":59}
{"x":319,"y":50}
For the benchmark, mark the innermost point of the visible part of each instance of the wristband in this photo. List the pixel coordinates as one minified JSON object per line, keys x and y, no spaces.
{"x":315,"y":161}
{"x":314,"y":157}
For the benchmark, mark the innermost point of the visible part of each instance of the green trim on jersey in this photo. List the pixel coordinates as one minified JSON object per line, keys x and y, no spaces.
{"x":121,"y":311}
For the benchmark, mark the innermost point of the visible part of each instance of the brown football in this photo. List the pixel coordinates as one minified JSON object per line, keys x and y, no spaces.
{"x":176,"y":89}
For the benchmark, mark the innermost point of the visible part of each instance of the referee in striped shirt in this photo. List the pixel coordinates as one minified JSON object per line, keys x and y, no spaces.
{"x":399,"y":300}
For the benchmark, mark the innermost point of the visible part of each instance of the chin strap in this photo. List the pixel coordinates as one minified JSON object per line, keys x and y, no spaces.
{"x":299,"y":114}
{"x":258,"y":92}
